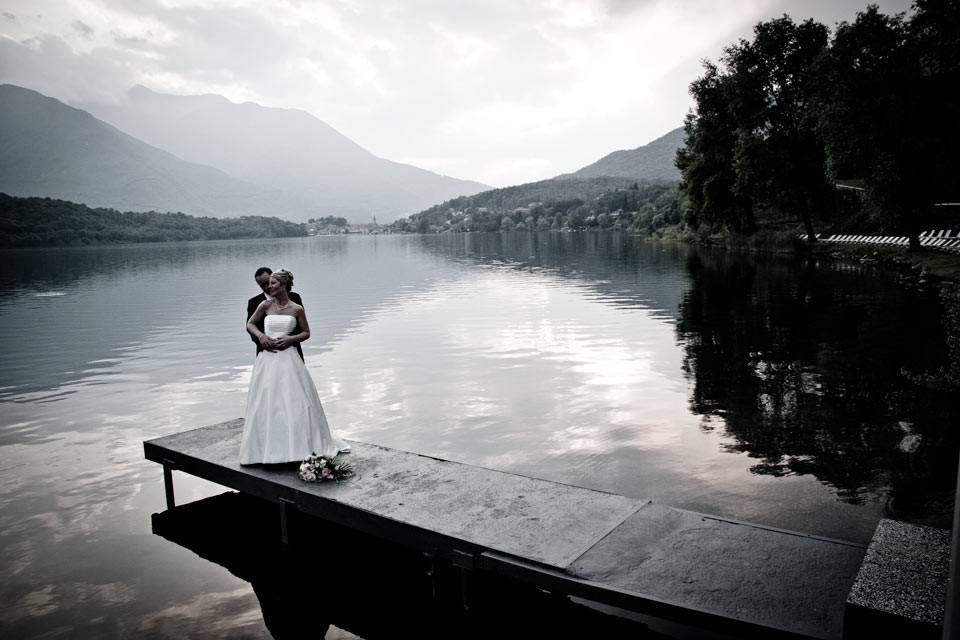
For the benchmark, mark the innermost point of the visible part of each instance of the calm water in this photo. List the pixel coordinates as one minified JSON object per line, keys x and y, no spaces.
{"x":760,"y":389}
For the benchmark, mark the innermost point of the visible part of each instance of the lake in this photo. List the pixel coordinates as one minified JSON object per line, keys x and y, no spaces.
{"x":803,"y":395}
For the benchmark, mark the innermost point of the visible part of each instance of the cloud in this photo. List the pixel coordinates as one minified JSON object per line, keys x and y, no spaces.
{"x":82,"y":28}
{"x":494,"y":90}
{"x":49,"y":65}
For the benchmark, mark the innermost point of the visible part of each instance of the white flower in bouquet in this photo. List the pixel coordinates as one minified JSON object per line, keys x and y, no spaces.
{"x":320,"y":469}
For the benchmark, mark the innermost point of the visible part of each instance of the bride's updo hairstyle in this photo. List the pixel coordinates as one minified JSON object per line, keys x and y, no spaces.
{"x":285,"y":278}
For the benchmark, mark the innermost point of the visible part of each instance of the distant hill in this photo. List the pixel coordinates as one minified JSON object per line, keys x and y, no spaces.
{"x":574,"y":203}
{"x":522,"y":195}
{"x":647,"y":165}
{"x":287,"y":149}
{"x":50,"y":149}
{"x":651,"y":162}
{"x":31,"y":222}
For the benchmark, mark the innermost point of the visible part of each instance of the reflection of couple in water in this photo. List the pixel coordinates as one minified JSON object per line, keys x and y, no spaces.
{"x":284,"y":419}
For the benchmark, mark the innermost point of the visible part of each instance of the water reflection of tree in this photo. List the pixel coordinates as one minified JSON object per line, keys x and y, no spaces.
{"x":832,"y":371}
{"x":619,"y":269}
{"x":807,"y":368}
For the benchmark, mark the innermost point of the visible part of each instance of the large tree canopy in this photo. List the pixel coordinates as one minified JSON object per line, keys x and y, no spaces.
{"x":706,"y":162}
{"x":778,"y":159}
{"x":790,"y":112}
{"x":872,"y":117}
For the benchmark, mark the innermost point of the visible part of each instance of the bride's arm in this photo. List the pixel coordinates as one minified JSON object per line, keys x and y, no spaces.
{"x":285,"y":341}
{"x":252,"y":329}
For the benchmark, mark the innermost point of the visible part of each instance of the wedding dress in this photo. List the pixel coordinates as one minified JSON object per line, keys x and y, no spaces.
{"x":285,"y":420}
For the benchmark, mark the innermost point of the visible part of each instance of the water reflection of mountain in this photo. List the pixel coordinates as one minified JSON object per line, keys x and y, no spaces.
{"x":92,"y":309}
{"x":618,"y":268}
{"x":808,"y":371}
{"x":89,"y":310}
{"x":374,"y":589}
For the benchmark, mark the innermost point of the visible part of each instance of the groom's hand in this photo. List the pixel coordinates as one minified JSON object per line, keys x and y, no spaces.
{"x":282,"y":342}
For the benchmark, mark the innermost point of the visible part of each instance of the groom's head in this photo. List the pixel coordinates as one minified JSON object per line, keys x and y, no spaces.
{"x":262,"y":276}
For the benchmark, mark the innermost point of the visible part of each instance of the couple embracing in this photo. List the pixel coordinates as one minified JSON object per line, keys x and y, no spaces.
{"x":285,"y":421}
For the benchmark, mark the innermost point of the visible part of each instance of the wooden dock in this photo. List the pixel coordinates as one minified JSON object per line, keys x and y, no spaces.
{"x":719,"y":574}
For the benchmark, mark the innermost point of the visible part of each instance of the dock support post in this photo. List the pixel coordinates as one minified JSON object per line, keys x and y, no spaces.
{"x":168,"y":484}
{"x":430,"y":570}
{"x":284,"y":518}
{"x":465,"y":588}
{"x":951,"y":618}
{"x":465,"y":563}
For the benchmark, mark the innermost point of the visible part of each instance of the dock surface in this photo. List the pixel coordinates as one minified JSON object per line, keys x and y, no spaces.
{"x":730,"y":576}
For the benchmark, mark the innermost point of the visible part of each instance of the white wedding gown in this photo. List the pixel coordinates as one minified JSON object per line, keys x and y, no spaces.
{"x":285,"y":420}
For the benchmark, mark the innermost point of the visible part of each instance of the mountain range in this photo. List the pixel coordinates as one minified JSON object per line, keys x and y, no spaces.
{"x":286,"y":149}
{"x":205,"y":155}
{"x":51,"y":149}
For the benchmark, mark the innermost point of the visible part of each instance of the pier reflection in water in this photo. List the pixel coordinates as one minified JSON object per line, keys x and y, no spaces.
{"x":328,"y":578}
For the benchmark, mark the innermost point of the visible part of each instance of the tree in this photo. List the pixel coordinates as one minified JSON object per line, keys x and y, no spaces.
{"x":779,"y":159}
{"x":935,"y":30}
{"x":867,"y":116}
{"x":577,"y":217}
{"x":751,"y":142}
{"x":706,"y":161}
{"x":889,"y":117}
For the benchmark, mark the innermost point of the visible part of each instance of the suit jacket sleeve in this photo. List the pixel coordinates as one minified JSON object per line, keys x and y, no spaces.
{"x":252,"y":305}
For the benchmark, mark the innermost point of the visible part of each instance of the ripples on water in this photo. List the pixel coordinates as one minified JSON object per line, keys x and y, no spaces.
{"x":758,"y":389}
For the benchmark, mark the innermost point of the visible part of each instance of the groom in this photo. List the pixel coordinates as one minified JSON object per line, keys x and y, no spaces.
{"x":262,"y":276}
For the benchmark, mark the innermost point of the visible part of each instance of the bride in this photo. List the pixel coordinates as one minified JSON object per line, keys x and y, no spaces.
{"x":285,"y":420}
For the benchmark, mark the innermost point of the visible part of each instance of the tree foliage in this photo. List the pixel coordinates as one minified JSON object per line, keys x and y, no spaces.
{"x":777,"y":157}
{"x":706,"y":162}
{"x":26,"y":222}
{"x":787,"y":114}
{"x":329,"y":221}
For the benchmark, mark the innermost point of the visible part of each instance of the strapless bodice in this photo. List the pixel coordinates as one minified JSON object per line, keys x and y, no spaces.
{"x":276,"y":326}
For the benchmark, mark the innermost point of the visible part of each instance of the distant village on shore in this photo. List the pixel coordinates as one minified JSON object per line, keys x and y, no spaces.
{"x":336,"y":225}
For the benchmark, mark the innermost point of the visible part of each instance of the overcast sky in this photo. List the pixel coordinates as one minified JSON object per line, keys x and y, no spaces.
{"x":500,"y":91}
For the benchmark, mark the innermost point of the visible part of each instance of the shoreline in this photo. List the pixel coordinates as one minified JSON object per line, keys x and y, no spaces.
{"x":915,"y":267}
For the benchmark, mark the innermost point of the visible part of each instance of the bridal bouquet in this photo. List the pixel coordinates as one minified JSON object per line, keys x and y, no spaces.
{"x":320,"y":469}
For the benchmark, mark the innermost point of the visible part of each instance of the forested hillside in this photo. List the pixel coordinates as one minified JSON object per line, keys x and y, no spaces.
{"x":28,"y":222}
{"x":575,"y":203}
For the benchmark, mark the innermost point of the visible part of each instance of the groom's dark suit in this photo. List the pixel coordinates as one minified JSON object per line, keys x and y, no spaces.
{"x":252,"y":305}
